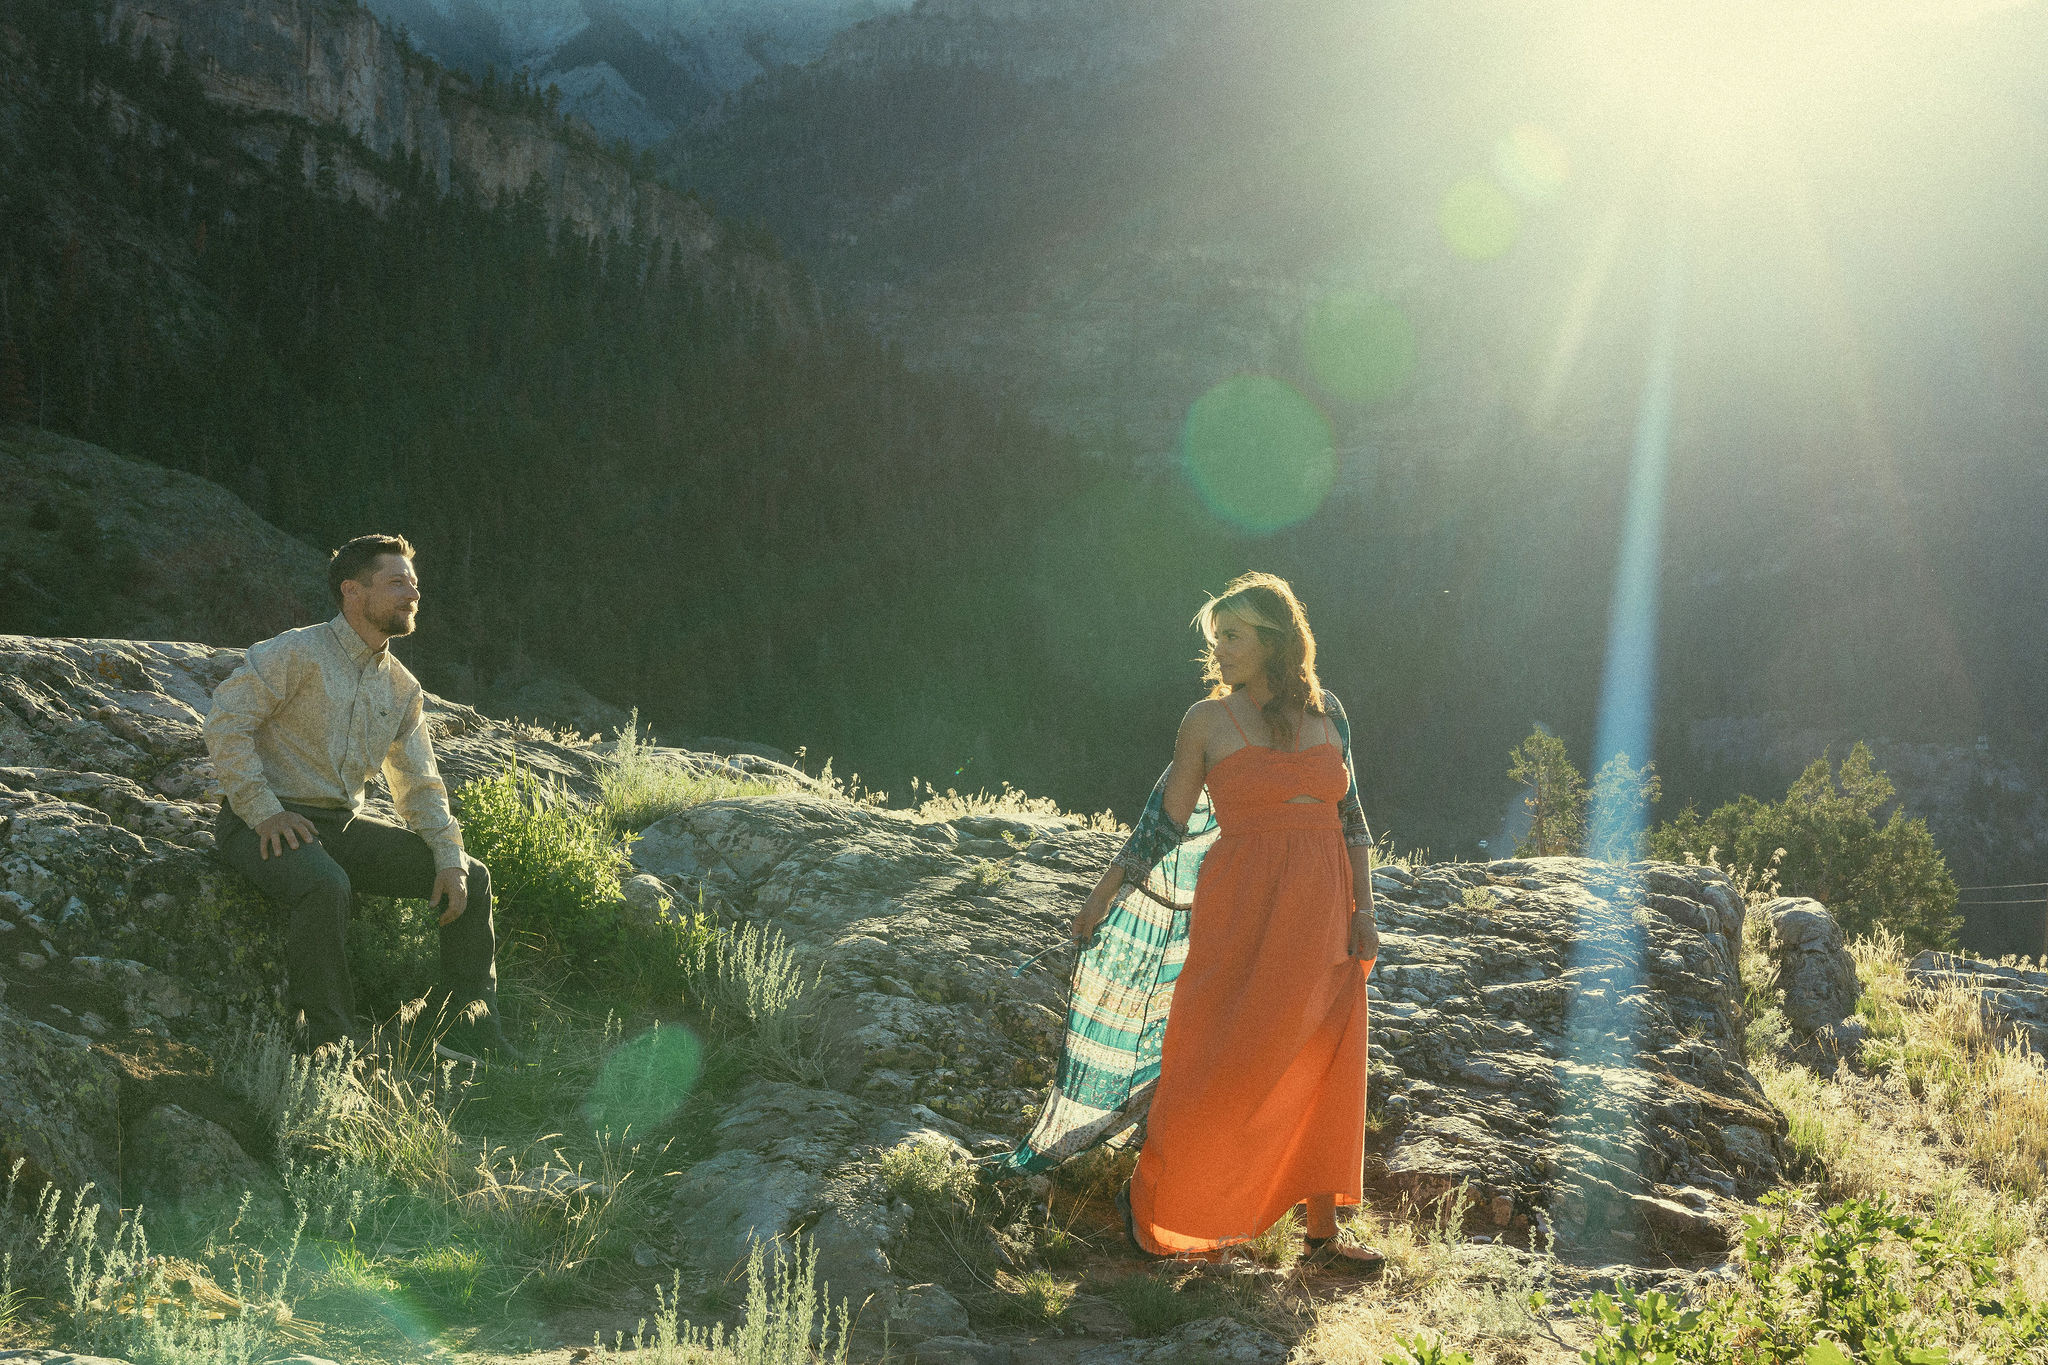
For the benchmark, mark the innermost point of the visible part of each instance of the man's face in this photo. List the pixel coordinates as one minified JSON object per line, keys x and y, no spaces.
{"x":389,"y":596}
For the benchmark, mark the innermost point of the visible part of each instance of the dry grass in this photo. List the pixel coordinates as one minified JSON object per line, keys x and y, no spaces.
{"x":1439,"y":1287}
{"x":638,"y":787}
{"x":932,"y":806}
{"x":1975,"y":1081}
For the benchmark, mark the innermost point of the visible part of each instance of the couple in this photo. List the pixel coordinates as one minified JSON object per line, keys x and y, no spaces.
{"x":1243,"y":899}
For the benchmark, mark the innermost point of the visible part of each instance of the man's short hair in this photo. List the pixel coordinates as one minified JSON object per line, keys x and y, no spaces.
{"x":354,"y":559}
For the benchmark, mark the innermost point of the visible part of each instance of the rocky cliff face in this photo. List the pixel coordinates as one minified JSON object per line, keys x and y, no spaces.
{"x":336,"y":65}
{"x":1555,"y":1038}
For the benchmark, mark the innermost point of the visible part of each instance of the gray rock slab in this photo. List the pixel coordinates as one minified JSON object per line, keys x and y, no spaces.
{"x":2016,"y":997}
{"x":1216,"y":1340}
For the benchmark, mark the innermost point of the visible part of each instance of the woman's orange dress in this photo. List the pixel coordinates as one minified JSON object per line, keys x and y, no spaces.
{"x":1261,"y":1094}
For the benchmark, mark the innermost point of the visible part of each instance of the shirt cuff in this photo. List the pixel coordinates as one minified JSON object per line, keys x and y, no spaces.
{"x":447,"y":856}
{"x":262,"y":808}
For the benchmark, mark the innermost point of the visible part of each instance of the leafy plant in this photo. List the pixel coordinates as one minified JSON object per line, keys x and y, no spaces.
{"x":1862,"y":1284}
{"x":988,"y":874}
{"x":556,"y":862}
{"x":1621,"y":799}
{"x":928,"y":1174}
{"x":1421,"y":1351}
{"x":789,"y":1320}
{"x":1036,"y":1296}
{"x":746,"y":980}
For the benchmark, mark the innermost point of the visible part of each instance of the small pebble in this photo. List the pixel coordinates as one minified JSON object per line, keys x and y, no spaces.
{"x":31,"y":962}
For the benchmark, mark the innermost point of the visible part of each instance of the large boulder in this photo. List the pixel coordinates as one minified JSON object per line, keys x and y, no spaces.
{"x":1559,"y":1039}
{"x":1814,"y":971}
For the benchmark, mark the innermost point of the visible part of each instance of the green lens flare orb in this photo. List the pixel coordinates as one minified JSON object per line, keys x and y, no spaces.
{"x":645,"y":1080}
{"x":1260,"y":454}
{"x":1478,"y":219}
{"x":1359,"y":347}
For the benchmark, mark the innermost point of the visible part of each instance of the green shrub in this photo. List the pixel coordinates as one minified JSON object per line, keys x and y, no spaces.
{"x":1621,"y":799}
{"x":990,"y":875}
{"x":556,"y":862}
{"x":746,"y":981}
{"x":1034,"y":1297}
{"x":116,"y":1296}
{"x":636,"y":788}
{"x":930,"y":1175}
{"x":1421,"y":1351}
{"x":1862,"y":1283}
{"x":1156,"y":1304}
{"x":1869,"y":875}
{"x":790,"y":1320}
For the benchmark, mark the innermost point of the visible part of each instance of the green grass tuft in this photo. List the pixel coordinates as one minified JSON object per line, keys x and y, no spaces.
{"x":637,"y":787}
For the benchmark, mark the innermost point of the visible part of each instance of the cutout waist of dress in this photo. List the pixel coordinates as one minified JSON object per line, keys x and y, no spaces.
{"x":1279,"y":817}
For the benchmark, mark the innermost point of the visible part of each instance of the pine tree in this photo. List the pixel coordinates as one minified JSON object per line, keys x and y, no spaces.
{"x":1555,"y":799}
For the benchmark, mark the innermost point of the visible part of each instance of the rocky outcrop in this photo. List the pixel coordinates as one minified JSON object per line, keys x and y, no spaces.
{"x":183,"y":1158}
{"x":329,"y":63}
{"x":1814,"y":973}
{"x":1553,"y":1037}
{"x":2014,"y":997}
{"x":117,"y":923}
{"x":1558,"y":1039}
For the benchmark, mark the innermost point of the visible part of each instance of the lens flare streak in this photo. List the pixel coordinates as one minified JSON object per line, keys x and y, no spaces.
{"x":1604,"y":1017}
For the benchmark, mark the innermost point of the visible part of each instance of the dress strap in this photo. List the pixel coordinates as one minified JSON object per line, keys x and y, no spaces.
{"x":1233,"y":720}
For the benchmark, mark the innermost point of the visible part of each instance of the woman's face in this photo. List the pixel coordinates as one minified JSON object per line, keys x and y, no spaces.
{"x":1240,"y":653}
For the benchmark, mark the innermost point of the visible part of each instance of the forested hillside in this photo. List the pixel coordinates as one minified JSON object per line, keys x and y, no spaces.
{"x":604,"y":463}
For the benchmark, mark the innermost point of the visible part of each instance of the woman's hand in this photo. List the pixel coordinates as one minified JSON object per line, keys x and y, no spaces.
{"x":1092,"y":913}
{"x":1365,"y":936}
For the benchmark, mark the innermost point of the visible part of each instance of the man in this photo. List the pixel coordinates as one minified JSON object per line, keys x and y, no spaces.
{"x":295,"y":733}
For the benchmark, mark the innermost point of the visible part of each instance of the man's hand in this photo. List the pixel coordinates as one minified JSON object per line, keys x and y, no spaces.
{"x":281,"y":829}
{"x":1365,"y":936}
{"x":452,"y":884}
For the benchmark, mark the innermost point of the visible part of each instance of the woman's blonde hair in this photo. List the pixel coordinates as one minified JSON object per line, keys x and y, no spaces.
{"x":1266,"y":603}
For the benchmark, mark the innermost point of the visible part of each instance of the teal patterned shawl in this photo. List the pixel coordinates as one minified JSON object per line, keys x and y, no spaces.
{"x":1123,"y":980}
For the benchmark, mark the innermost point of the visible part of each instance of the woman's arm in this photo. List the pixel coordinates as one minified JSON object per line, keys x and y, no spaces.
{"x":1358,"y":841}
{"x":1365,"y":931}
{"x":1182,"y":789}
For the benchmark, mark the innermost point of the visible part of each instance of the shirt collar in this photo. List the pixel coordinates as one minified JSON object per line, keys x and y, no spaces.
{"x":353,"y":645}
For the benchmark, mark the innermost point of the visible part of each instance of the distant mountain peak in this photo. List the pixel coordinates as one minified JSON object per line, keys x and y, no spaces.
{"x":637,"y":69}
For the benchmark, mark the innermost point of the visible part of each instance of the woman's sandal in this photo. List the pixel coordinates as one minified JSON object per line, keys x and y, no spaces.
{"x":1123,"y":1208}
{"x":1331,"y":1251}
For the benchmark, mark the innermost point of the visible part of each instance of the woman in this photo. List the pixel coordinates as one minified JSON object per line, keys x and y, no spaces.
{"x":1260,"y":1101}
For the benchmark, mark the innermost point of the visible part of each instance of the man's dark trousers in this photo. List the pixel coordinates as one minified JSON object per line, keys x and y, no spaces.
{"x":315,"y":882}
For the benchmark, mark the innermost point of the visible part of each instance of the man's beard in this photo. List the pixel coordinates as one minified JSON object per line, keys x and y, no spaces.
{"x":397,"y":621}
